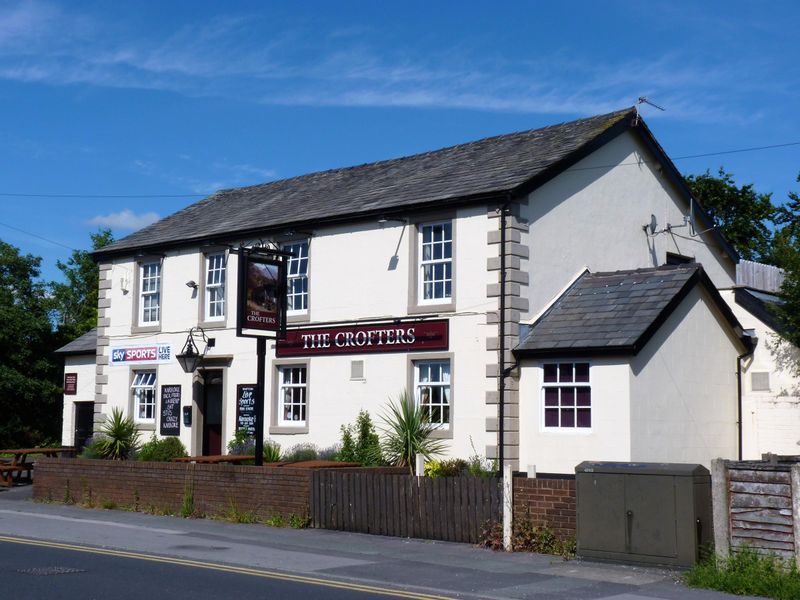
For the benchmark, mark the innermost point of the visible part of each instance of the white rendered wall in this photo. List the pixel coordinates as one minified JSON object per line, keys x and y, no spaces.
{"x":593,"y":214}
{"x":609,"y":438}
{"x":770,"y":418}
{"x":349,"y":279}
{"x":684,"y":389}
{"x":84,"y":366}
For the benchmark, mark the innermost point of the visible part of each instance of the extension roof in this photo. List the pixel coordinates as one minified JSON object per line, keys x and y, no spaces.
{"x":617,"y":313}
{"x":86,"y":344}
{"x":489,"y":169}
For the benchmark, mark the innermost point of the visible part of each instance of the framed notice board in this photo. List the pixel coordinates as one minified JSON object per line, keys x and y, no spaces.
{"x":170,"y":410}
{"x":246,"y":407}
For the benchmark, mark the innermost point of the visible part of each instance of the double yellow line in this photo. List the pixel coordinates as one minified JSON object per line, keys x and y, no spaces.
{"x":355,"y":587}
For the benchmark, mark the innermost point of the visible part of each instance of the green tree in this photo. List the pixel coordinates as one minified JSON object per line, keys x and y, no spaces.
{"x":742,"y":214}
{"x":29,"y":377}
{"x":786,"y":254}
{"x":75,"y":300}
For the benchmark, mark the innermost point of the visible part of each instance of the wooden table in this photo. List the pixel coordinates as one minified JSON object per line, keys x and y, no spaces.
{"x":216,"y":459}
{"x":19,"y":461}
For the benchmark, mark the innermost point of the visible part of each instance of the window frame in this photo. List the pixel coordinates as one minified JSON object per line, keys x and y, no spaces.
{"x":416,"y":303}
{"x":137,"y":323}
{"x":441,"y":384}
{"x":300,"y":314}
{"x":543,"y":386}
{"x":205,"y":297}
{"x":278,"y":425}
{"x":412,"y":361}
{"x":434,"y":262}
{"x":137,"y":389}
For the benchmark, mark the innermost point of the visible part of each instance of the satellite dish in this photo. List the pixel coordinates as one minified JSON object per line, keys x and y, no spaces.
{"x":653,"y":224}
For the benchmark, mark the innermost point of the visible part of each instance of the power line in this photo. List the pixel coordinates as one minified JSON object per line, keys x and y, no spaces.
{"x":38,"y":236}
{"x":142,"y":196}
{"x":94,"y":196}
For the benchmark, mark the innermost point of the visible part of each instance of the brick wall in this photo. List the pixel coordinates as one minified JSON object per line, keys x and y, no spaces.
{"x":217,"y":489}
{"x":549,"y":502}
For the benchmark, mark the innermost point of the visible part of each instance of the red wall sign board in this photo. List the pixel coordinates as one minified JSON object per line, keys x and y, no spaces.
{"x":70,"y":384}
{"x":364,"y":339}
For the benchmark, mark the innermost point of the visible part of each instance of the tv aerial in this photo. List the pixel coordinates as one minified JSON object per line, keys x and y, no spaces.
{"x":644,"y":100}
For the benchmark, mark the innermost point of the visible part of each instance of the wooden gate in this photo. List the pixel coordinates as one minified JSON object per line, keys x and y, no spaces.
{"x":444,"y":508}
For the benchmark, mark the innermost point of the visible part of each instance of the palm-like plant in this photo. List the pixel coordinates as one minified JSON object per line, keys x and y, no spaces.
{"x":407,"y":433}
{"x":119,"y":437}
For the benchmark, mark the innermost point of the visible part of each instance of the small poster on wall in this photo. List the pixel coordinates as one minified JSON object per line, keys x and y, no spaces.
{"x":70,"y":384}
{"x":246,"y":408}
{"x":170,"y":410}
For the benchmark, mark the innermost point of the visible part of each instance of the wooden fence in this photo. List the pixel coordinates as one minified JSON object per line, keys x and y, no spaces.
{"x":454,"y":509}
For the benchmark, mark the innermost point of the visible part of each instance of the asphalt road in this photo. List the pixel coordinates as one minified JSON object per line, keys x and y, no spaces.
{"x":38,"y":572}
{"x":132,"y":555}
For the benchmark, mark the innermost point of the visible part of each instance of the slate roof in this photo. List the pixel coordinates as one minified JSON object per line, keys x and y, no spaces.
{"x":476,"y":170}
{"x":617,"y":312}
{"x":761,"y":305}
{"x":86,"y":344}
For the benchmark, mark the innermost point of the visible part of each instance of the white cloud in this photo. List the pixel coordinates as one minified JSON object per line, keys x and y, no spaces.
{"x":125,"y":219}
{"x":231,"y":57}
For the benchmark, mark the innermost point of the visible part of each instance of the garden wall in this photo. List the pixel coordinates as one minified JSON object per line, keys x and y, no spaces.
{"x":163,"y":487}
{"x":549,"y":502}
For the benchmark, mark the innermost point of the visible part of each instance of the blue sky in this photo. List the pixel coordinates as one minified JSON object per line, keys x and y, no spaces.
{"x":186,"y":97}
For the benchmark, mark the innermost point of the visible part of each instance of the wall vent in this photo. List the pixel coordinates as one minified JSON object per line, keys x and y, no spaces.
{"x":760,"y":381}
{"x":356,"y":369}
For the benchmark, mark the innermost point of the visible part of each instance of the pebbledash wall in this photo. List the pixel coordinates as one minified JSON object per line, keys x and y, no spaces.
{"x":589,"y":216}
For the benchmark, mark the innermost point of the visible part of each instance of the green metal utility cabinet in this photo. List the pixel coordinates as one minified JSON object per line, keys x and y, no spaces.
{"x":643,"y":512}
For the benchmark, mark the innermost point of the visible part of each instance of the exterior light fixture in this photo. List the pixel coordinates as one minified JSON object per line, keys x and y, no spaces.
{"x":192,"y":284}
{"x":190,"y":358}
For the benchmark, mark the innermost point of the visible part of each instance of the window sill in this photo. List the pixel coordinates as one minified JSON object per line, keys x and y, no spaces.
{"x":212,"y":324}
{"x":282,"y":430}
{"x":146,"y":328}
{"x":442,"y":434}
{"x":303,"y":317}
{"x":418,"y":309}
{"x":146,"y":426}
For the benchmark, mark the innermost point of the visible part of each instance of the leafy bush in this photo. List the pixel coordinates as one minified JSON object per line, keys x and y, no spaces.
{"x":452,"y":467}
{"x":301,"y":452}
{"x":330,"y":452}
{"x":119,"y":438}
{"x":360,"y":442}
{"x":242,"y":444}
{"x":746,"y":572}
{"x":526,"y":537}
{"x":407,"y":433}
{"x":161,"y":450}
{"x":480,"y":466}
{"x":89,"y":449}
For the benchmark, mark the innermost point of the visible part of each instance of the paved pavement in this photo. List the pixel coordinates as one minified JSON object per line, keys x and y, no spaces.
{"x":415,"y":566}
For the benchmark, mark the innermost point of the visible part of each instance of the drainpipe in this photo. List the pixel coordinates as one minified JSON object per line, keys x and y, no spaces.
{"x":501,"y":390}
{"x":753,"y":341}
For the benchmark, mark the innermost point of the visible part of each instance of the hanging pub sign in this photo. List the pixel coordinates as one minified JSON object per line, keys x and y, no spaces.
{"x":170,"y":410}
{"x":362,"y":339}
{"x":246,"y":408}
{"x":262,"y":295}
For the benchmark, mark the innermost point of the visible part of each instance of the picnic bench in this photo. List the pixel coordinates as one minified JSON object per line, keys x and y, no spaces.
{"x":216,"y":459}
{"x":18,"y":462}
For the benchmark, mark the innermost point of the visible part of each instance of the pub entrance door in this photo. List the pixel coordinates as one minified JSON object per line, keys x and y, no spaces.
{"x":84,"y":424}
{"x":212,"y":412}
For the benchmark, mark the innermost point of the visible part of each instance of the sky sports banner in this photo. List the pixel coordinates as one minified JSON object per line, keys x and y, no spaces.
{"x":262,"y":294}
{"x":140,"y":355}
{"x":363,"y":339}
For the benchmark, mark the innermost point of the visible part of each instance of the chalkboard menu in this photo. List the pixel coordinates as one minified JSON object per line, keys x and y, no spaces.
{"x":170,"y":410}
{"x":246,"y":408}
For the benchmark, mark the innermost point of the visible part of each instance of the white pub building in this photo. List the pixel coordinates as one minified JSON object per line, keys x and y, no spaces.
{"x":549,"y":294}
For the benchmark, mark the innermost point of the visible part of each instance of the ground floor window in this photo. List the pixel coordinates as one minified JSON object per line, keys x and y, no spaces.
{"x":292,"y":395}
{"x":144,"y":396}
{"x":432,"y":390}
{"x":567,"y":396}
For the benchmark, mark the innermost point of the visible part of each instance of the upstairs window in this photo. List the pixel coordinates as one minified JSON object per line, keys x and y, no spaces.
{"x":150,"y":292}
{"x":144,"y":396}
{"x":567,"y":396}
{"x":215,"y":287}
{"x":297,"y":278}
{"x":436,"y":262}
